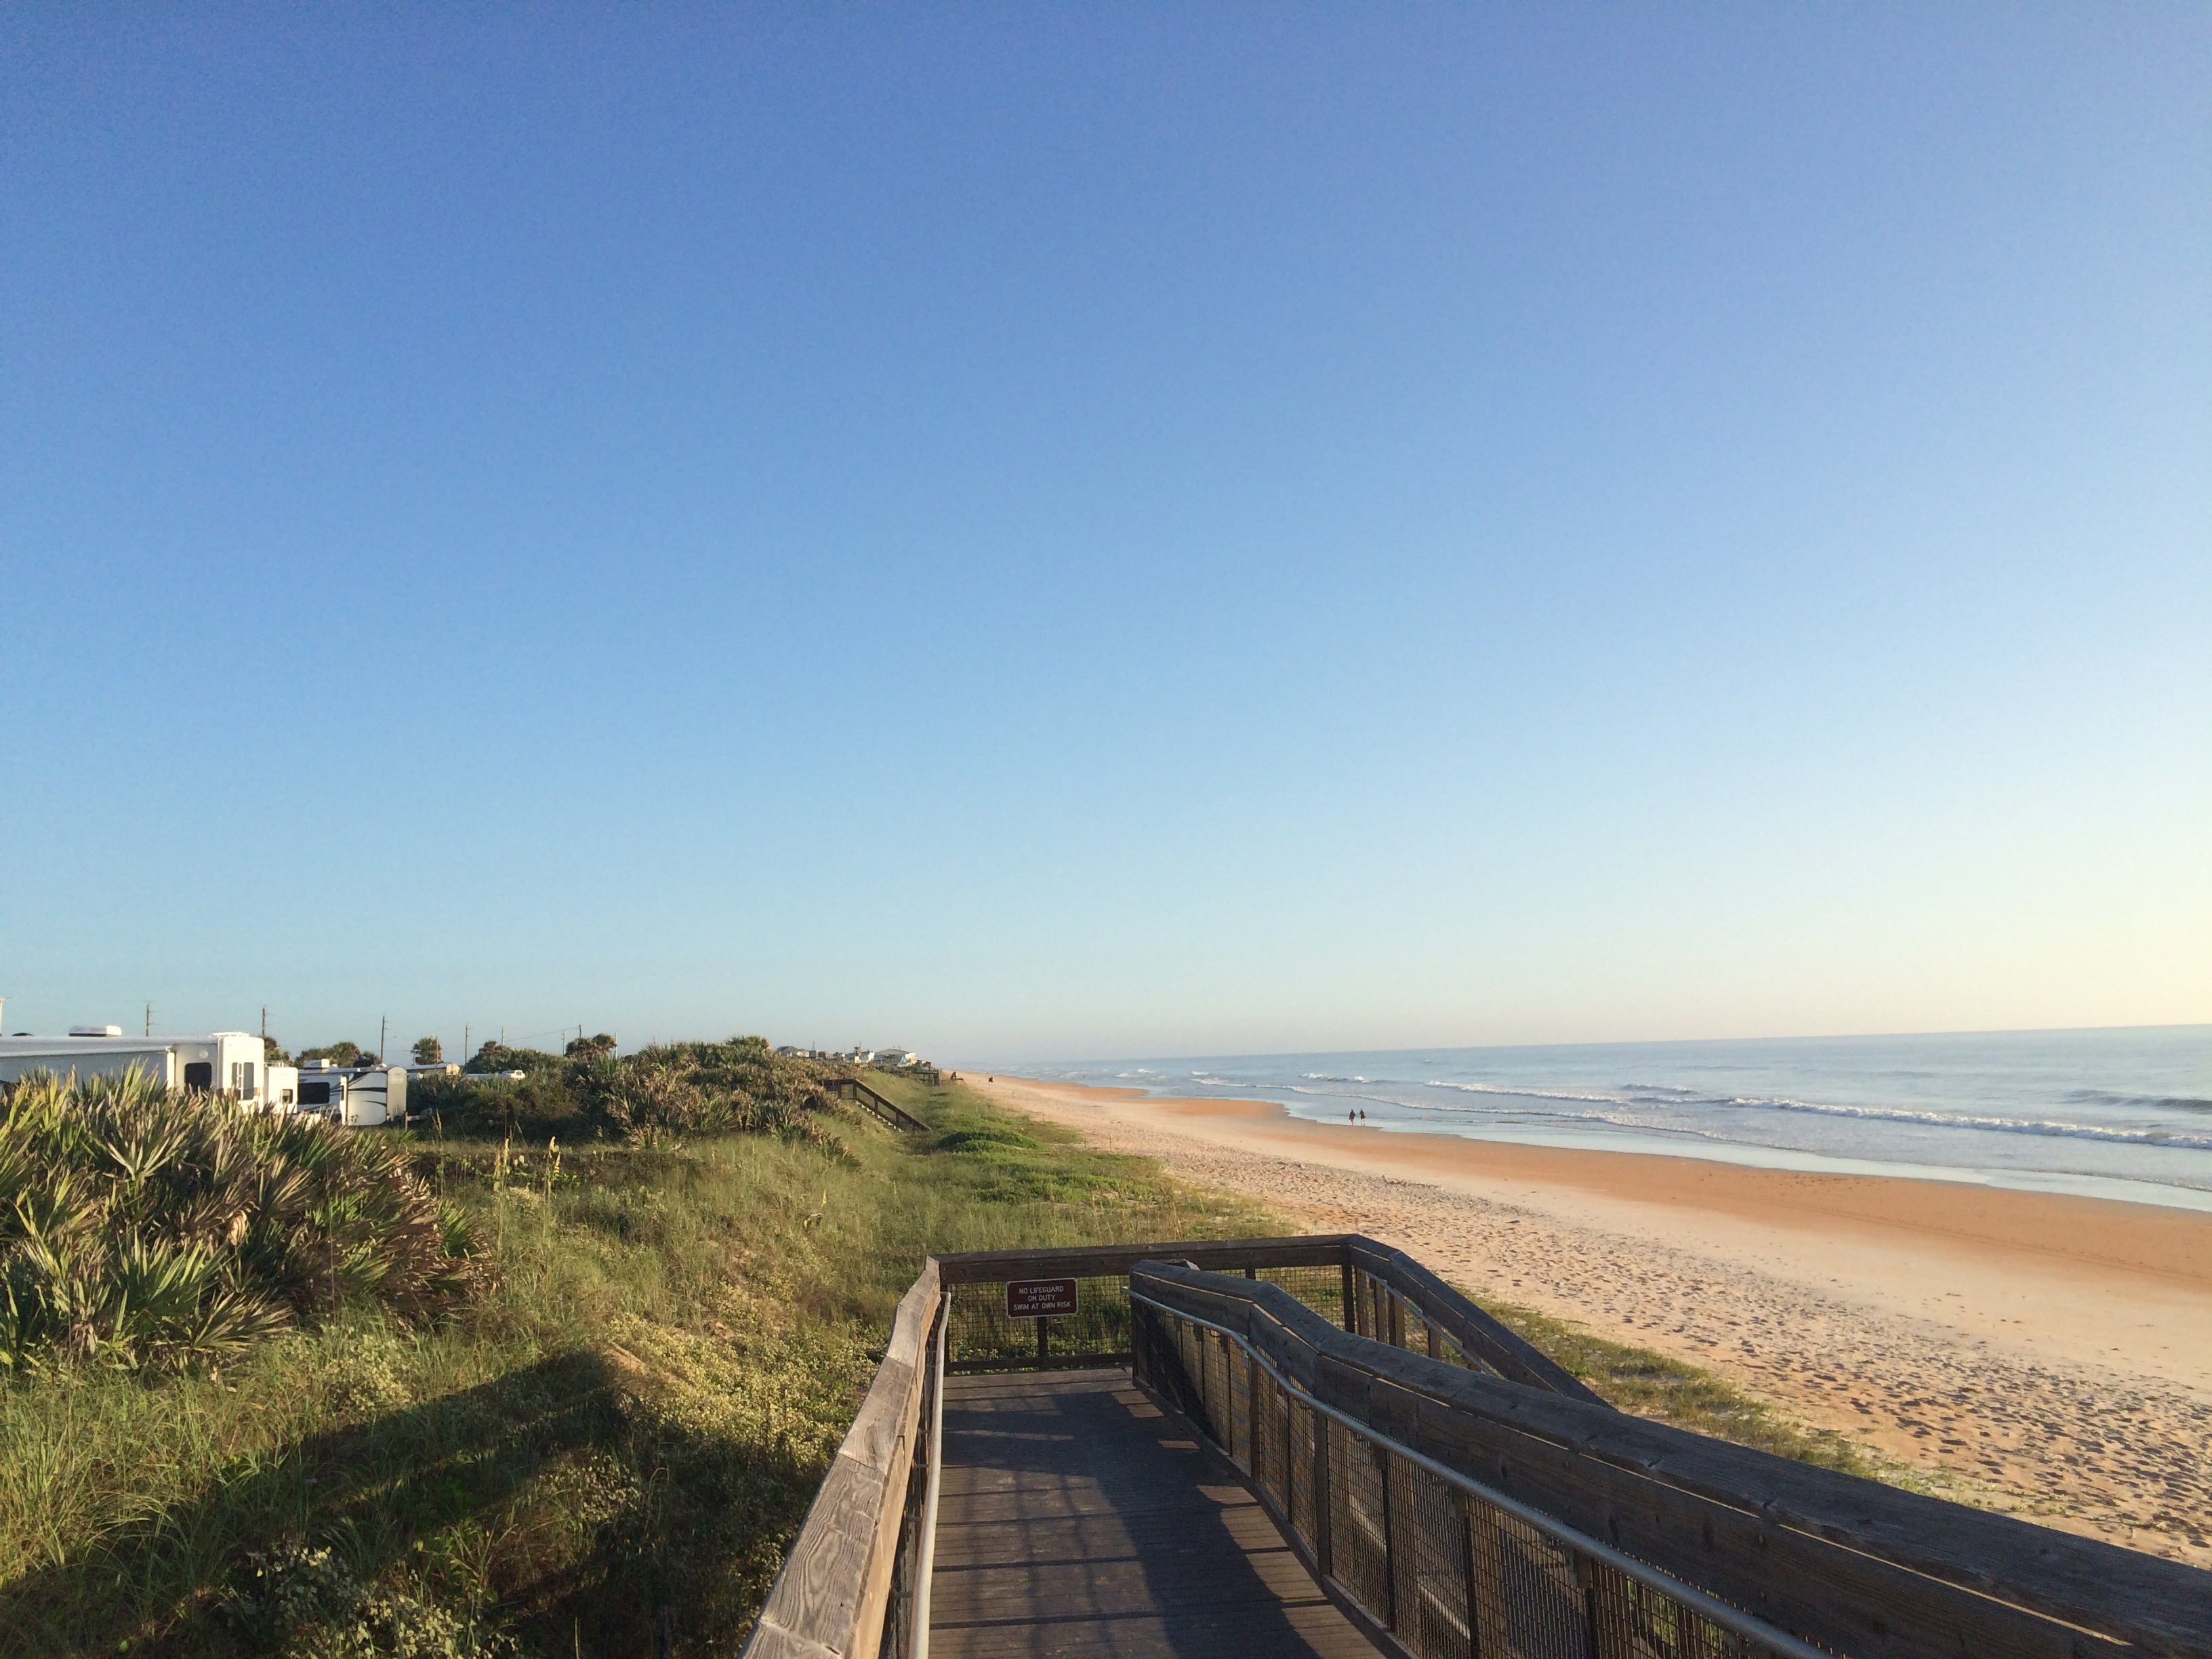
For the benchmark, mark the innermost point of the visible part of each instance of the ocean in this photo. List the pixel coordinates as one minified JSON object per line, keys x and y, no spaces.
{"x":2122,"y":1113}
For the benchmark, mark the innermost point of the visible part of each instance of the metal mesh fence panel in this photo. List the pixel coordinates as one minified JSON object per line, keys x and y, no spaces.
{"x":1428,"y":1565}
{"x":1240,"y":1409}
{"x":1359,"y":1521}
{"x":1540,"y":1611}
{"x":1633,"y":1621}
{"x":1320,"y":1289}
{"x":982,"y":1336}
{"x":1298,"y":1475}
{"x":1215,"y":1359}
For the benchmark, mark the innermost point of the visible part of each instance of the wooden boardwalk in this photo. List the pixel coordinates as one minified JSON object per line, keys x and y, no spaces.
{"x":1075,"y":1519}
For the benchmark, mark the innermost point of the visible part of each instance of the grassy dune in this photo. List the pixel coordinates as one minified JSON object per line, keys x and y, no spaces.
{"x":613,"y":1438}
{"x":619,"y":1432}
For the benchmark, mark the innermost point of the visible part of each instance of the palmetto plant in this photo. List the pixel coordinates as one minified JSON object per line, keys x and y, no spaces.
{"x":140,"y":1227}
{"x":705,"y":1088}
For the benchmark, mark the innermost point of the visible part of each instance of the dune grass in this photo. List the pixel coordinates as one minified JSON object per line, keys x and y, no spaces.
{"x":1657,"y":1386}
{"x":616,"y":1437}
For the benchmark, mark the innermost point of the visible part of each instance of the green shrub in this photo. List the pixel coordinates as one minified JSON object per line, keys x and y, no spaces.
{"x":741,"y":1086}
{"x":982,"y":1139}
{"x":143,"y":1227}
{"x":302,"y":1603}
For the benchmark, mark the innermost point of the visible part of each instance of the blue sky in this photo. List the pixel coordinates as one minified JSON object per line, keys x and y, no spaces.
{"x":1059,"y":531}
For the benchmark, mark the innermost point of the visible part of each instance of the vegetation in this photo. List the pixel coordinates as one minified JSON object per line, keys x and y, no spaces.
{"x":631,"y":1413}
{"x":492,"y":1058}
{"x":617,"y":1429}
{"x":144,"y":1228}
{"x":429,"y":1051}
{"x":339,"y":1054}
{"x":741,"y":1086}
{"x":1653,"y":1385}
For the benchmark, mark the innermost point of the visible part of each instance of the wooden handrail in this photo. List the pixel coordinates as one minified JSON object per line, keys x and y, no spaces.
{"x":832,"y":1595}
{"x":1854,"y":1566}
{"x":1480,"y":1334}
{"x":851,"y":1087}
{"x":1101,"y":1260}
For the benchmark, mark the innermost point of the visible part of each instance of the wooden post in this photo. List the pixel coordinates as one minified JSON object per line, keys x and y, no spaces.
{"x":1351,"y":1300}
{"x":1041,"y":1347}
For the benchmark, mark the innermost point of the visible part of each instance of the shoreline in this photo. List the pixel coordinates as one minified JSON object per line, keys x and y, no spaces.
{"x":2100,"y":1234}
{"x":2028,"y":1351}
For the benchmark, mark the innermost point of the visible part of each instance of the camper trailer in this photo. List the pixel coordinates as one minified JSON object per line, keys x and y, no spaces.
{"x":359,"y":1097}
{"x":220,"y":1062}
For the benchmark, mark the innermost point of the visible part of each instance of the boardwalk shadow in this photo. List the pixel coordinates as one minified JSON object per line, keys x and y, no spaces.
{"x":373,"y":1491}
{"x":1077,"y":1520}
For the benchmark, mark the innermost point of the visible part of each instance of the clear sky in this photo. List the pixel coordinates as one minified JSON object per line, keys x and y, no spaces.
{"x":1063,"y":531}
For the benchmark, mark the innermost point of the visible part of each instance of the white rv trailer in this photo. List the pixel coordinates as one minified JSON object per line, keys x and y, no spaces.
{"x":220,"y":1062}
{"x":361,"y":1097}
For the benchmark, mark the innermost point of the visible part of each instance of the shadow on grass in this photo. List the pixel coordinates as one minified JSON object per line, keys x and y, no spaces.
{"x":556,"y":1496}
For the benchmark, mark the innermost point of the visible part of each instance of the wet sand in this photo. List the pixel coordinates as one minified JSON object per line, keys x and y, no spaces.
{"x":2044,"y":1354}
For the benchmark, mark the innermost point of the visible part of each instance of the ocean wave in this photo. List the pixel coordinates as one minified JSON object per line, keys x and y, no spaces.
{"x":2003,"y":1125}
{"x":1527,"y":1093}
{"x":2140,"y":1103}
{"x":1623,"y":1103}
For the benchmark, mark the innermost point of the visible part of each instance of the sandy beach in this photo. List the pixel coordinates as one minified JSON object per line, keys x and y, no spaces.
{"x":2043,"y":1354}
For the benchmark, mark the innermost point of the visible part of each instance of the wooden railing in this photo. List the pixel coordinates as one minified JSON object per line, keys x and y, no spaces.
{"x":1346,"y":1278}
{"x":848,"y":1586}
{"x":1467,"y":1516}
{"x":1454,"y":1488}
{"x":852,"y":1088}
{"x":857,"y":1546}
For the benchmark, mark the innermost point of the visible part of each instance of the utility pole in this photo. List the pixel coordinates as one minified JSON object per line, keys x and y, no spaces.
{"x":149,"y":1019}
{"x":464,"y":1044}
{"x":383,"y":1022}
{"x":264,"y":1026}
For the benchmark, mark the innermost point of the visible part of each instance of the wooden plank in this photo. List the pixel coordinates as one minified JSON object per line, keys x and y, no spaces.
{"x":1101,"y":1261}
{"x":1952,"y":1557}
{"x":1076,"y":1518}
